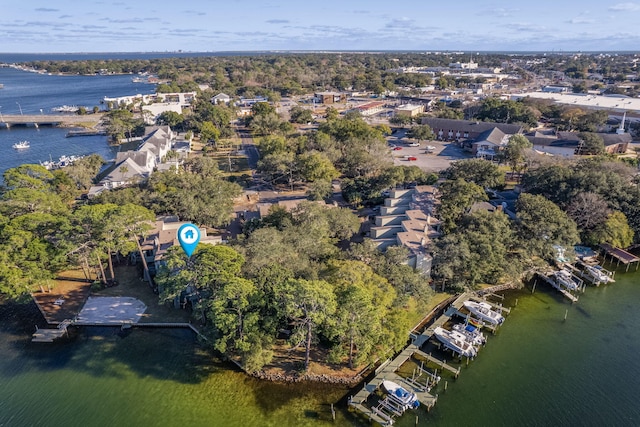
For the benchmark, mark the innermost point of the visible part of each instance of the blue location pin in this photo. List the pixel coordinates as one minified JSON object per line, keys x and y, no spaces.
{"x":188,"y":236}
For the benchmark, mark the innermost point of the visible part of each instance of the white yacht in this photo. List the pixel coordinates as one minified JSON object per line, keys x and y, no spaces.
{"x":484,"y":312}
{"x":455,"y":342}
{"x":21,"y":145}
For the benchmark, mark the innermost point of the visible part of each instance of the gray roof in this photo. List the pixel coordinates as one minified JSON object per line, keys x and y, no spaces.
{"x":470,"y":126}
{"x":494,"y":136}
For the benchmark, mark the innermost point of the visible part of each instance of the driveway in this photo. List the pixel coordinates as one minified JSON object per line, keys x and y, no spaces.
{"x":435,"y":161}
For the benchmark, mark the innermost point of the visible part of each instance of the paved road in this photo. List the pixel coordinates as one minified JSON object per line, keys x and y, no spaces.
{"x":249,"y":146}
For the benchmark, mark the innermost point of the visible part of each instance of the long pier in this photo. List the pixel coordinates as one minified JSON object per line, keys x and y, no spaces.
{"x":36,"y":120}
{"x":51,"y":334}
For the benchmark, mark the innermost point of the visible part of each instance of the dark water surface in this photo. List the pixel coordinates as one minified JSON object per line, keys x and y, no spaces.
{"x":539,"y":370}
{"x":32,"y":92}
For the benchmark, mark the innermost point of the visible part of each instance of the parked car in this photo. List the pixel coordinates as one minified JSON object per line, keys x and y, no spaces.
{"x":414,"y":144}
{"x":431,"y":147}
{"x":412,"y":158}
{"x":397,"y":148}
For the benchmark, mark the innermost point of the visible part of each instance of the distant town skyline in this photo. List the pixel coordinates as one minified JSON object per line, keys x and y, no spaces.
{"x":34,"y":26}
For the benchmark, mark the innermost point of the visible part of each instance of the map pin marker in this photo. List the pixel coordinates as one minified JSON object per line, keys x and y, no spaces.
{"x":188,"y":236}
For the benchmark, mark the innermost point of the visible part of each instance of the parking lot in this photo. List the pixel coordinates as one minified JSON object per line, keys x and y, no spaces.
{"x":428,"y":160}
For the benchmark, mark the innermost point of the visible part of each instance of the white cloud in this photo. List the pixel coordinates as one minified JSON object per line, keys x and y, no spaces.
{"x":581,"y":20}
{"x":625,"y":7}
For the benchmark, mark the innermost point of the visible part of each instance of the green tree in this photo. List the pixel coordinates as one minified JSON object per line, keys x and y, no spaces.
{"x":591,"y":143}
{"x":456,"y":198}
{"x":513,"y":152}
{"x":482,"y":172}
{"x":300,"y":115}
{"x":311,"y":304}
{"x":615,"y":231}
{"x":421,"y":133}
{"x":542,"y":224}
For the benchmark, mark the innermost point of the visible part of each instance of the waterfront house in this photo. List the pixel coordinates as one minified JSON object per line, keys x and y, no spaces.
{"x":407,"y":220}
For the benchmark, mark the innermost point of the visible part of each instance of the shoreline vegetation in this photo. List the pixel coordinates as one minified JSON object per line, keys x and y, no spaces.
{"x":304,"y":283}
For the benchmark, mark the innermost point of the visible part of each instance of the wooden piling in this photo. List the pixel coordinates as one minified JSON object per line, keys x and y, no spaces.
{"x":534,"y":286}
{"x":566,"y":312}
{"x":333,"y":413}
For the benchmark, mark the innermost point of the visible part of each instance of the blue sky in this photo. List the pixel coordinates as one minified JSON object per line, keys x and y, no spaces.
{"x":197,"y":25}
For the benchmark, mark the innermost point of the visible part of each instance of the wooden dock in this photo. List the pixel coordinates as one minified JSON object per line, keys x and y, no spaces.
{"x":50,"y":335}
{"x":388,"y":372}
{"x":621,"y":255}
{"x":553,"y":284}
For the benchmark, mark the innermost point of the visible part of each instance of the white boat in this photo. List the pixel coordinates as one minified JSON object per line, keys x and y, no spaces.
{"x":455,"y":341}
{"x":564,"y":279}
{"x":473,"y":334}
{"x":400,"y":394}
{"x":599,"y":273}
{"x":483,"y":311}
{"x":21,"y":145}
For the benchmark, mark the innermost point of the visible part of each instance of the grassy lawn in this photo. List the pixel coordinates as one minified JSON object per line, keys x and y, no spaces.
{"x":131,"y":285}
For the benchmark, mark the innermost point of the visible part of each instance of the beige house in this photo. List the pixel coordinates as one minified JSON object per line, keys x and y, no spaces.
{"x":409,"y":110}
{"x":406,"y":220}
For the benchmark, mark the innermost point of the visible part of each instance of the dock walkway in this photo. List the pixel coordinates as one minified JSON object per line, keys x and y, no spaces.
{"x":388,"y":371}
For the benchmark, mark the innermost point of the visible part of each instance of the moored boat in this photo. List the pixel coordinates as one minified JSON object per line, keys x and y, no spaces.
{"x":483,"y":311}
{"x":599,"y":273}
{"x":21,"y":145}
{"x":473,"y":334}
{"x":455,"y":341}
{"x":564,"y":279}
{"x":403,"y":396}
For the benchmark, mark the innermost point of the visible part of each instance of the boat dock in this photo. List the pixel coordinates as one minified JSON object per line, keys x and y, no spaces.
{"x":383,"y":413}
{"x":586,"y":274}
{"x":51,"y":334}
{"x":620,"y":254}
{"x":554,"y":284}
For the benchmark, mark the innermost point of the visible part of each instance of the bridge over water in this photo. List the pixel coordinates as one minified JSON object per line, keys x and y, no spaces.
{"x":37,"y":120}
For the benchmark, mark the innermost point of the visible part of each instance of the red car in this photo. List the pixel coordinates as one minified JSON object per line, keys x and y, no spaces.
{"x":397,"y":148}
{"x":412,"y":158}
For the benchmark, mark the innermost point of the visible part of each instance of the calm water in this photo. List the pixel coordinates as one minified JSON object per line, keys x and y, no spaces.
{"x":537,"y":371}
{"x":33,"y":92}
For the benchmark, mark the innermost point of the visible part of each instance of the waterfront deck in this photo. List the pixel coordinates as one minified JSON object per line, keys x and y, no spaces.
{"x":621,"y":255}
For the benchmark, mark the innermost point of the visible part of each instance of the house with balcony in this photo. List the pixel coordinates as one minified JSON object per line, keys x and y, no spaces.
{"x":406,"y":219}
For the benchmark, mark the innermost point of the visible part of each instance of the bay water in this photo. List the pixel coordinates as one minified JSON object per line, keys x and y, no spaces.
{"x":538,"y":370}
{"x":32,"y":93}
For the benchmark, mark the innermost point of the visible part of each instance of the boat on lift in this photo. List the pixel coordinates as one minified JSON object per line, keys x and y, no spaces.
{"x":472,"y":334}
{"x":455,"y":342}
{"x":484,"y":312}
{"x":404,"y":397}
{"x":599,"y":273}
{"x":564,"y":279}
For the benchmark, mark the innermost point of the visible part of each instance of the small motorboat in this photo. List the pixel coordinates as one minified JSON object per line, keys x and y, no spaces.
{"x":473,"y":334}
{"x":484,"y":312}
{"x":21,"y":145}
{"x":599,"y":273}
{"x":403,"y":396}
{"x":564,"y":279}
{"x":455,"y":342}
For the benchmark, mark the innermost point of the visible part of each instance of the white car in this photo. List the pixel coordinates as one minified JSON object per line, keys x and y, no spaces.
{"x":430,"y":147}
{"x":414,"y":144}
